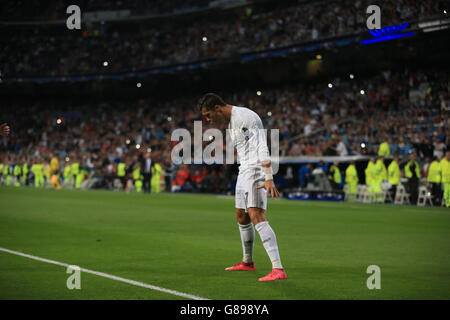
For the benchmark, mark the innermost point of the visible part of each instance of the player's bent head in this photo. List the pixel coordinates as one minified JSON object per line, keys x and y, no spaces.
{"x":209,"y":101}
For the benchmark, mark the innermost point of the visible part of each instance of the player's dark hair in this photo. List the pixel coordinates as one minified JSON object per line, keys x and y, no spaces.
{"x":209,"y":100}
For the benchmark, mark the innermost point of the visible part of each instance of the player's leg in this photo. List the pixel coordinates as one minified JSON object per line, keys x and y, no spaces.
{"x":246,"y":230}
{"x":269,"y":240}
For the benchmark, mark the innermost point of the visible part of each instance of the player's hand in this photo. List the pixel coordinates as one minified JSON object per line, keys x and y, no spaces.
{"x":4,"y":130}
{"x":270,"y":189}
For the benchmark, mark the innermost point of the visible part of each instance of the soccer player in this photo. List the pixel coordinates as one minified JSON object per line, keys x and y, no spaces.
{"x":255,"y":173}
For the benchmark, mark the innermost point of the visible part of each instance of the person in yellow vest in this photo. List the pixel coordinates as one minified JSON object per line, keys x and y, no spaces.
{"x":17,"y":173}
{"x":25,"y":170}
{"x":67,"y":173}
{"x":75,"y":170}
{"x":334,"y":175}
{"x":380,"y":176}
{"x":434,"y":180}
{"x":351,"y":178}
{"x":393,"y":172}
{"x":156,"y":178}
{"x":371,"y":176}
{"x":5,"y":171}
{"x":384,"y":150}
{"x":445,"y":177}
{"x":122,"y":172}
{"x":137,"y":177}
{"x":80,"y":177}
{"x":38,"y":172}
{"x":1,"y":173}
{"x":412,"y":173}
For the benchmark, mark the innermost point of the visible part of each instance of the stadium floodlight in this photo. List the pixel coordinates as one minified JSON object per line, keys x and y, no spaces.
{"x":352,"y":76}
{"x":58,"y":121}
{"x":138,"y":146}
{"x":363,"y":145}
{"x":330,"y":85}
{"x":205,"y":39}
{"x":362,"y":92}
{"x":138,"y":85}
{"x":258,"y":93}
{"x":105,"y":63}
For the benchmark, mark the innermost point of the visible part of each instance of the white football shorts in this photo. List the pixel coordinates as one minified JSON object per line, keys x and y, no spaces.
{"x":247,"y":196}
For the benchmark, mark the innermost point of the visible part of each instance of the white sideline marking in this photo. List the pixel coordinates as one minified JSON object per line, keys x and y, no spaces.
{"x":109,"y":276}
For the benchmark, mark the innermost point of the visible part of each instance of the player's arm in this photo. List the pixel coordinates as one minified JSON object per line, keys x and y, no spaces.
{"x":4,"y":130}
{"x":264,"y":156}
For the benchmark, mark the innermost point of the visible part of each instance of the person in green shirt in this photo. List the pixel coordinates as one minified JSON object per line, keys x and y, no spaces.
{"x":384,"y":150}
{"x":393,"y":173}
{"x":445,"y":177}
{"x":371,"y":176}
{"x":412,"y":173}
{"x":137,"y":177}
{"x":351,"y":178}
{"x":121,"y":172}
{"x":434,"y":180}
{"x":156,"y":178}
{"x":334,"y":175}
{"x":25,"y":170}
{"x":38,"y":172}
{"x":75,"y":170}
{"x":17,"y":173}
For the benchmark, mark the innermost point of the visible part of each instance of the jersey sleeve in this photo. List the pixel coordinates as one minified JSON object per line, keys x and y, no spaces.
{"x":260,"y":140}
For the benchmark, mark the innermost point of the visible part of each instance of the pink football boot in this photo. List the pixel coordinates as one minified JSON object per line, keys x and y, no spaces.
{"x":242,"y":266}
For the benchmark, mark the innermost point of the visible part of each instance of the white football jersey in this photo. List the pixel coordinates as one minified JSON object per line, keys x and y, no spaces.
{"x":249,"y":137}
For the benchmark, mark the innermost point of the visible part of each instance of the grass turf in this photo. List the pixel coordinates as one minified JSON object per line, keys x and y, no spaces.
{"x":183,"y":242}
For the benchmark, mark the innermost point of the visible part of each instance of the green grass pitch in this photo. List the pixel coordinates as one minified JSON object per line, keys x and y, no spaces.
{"x":183,"y":242}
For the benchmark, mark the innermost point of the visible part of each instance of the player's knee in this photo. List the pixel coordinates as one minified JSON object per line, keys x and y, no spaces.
{"x":257,"y":215}
{"x":242,"y":217}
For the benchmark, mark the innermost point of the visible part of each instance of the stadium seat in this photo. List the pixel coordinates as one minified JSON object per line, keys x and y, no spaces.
{"x":424,"y":197}
{"x":401,"y":196}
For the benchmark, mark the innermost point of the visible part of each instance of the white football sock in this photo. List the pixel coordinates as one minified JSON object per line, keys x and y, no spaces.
{"x":248,"y":239}
{"x":269,"y":241}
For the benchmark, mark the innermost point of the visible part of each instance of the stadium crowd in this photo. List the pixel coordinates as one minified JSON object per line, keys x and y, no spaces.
{"x":107,"y":48}
{"x":113,"y":141}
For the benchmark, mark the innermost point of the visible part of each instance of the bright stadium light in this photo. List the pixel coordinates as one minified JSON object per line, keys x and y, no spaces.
{"x":138,"y":85}
{"x":363,"y":145}
{"x":352,"y":76}
{"x":105,"y":63}
{"x":58,"y":121}
{"x":205,"y":39}
{"x":330,"y":85}
{"x":445,"y":11}
{"x":258,"y":93}
{"x":362,"y":92}
{"x":138,"y":146}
